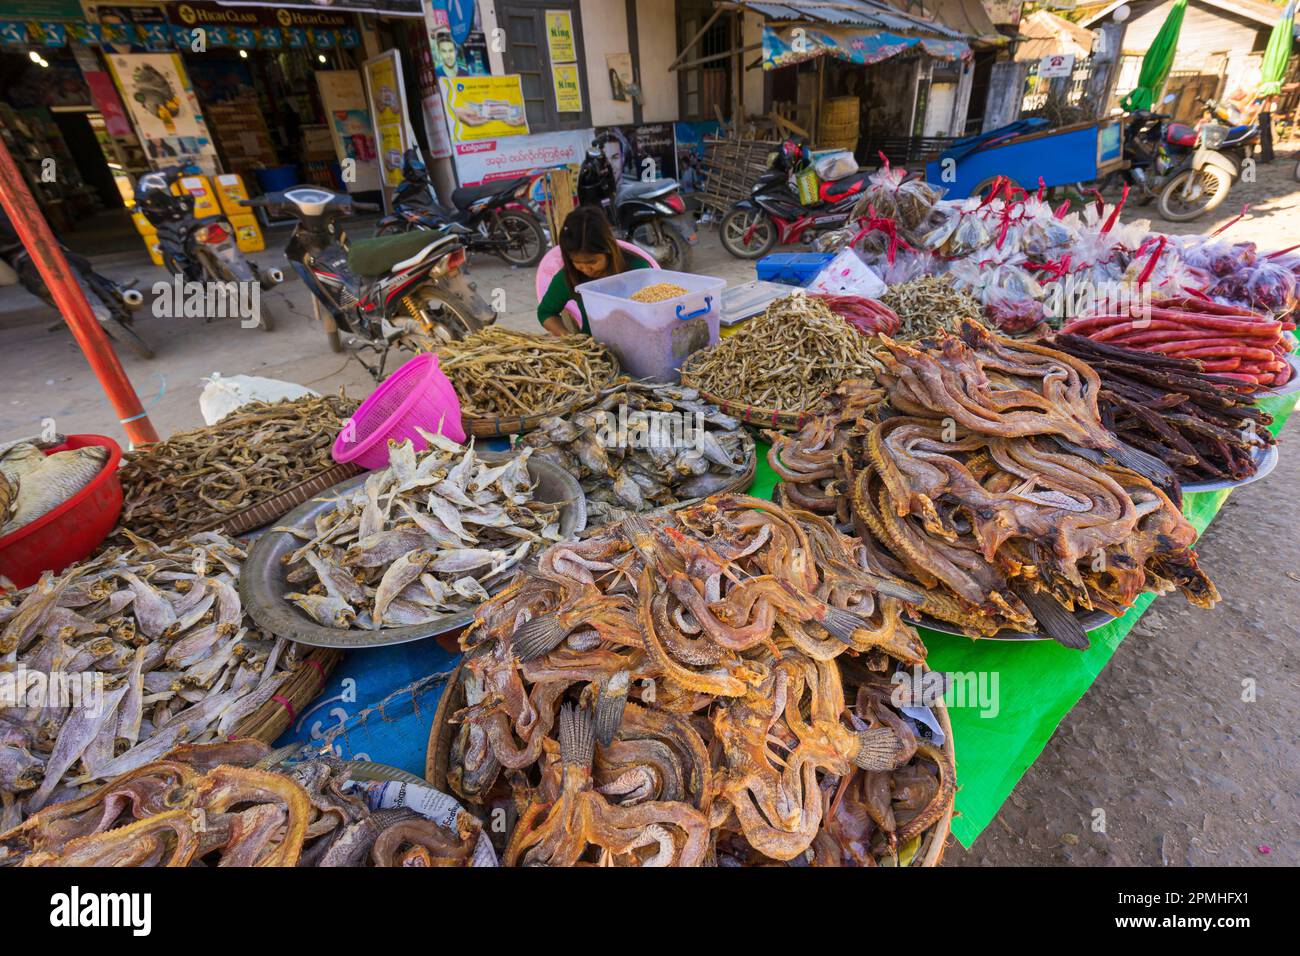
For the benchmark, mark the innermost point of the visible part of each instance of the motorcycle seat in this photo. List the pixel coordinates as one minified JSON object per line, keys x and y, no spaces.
{"x":833,"y":190}
{"x":466,"y":196}
{"x":1180,"y":134}
{"x":639,"y":189}
{"x":375,"y":257}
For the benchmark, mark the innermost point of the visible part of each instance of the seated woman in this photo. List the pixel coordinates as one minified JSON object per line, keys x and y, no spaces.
{"x":590,"y":252}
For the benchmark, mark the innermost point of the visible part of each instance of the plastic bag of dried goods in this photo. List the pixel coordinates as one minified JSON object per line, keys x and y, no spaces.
{"x":938,"y":227}
{"x":222,"y":395}
{"x":908,"y":265}
{"x":972,"y":235}
{"x":1271,"y":287}
{"x":834,"y":163}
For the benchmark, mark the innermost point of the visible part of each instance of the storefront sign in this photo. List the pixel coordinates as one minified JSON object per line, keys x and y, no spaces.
{"x":389,"y":8}
{"x":387,"y":98}
{"x":1058,"y":64}
{"x":568,"y":94}
{"x":431,"y":108}
{"x":648,"y":151}
{"x":157,"y":91}
{"x":343,"y":97}
{"x":559,"y":36}
{"x":484,"y":107}
{"x":506,"y":158}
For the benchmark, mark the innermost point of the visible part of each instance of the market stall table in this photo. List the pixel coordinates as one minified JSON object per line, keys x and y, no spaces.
{"x":380,"y":704}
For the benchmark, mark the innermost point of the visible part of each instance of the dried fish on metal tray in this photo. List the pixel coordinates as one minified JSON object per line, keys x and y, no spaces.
{"x":158,"y":639}
{"x":260,"y":450}
{"x":419,"y":539}
{"x":499,"y":372}
{"x":643,"y":447}
{"x":786,"y":359}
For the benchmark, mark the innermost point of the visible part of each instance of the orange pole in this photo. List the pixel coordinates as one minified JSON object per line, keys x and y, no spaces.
{"x":35,"y":234}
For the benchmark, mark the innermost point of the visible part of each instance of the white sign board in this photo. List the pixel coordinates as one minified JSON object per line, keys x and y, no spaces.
{"x":509,"y":156}
{"x":1058,"y":64}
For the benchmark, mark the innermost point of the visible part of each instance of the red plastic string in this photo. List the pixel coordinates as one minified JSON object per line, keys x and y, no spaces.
{"x":1114,"y":216}
{"x":1233,"y":221}
{"x":283,"y":702}
{"x":1150,"y":267}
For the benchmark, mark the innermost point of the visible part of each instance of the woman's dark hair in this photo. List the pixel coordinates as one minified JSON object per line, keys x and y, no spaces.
{"x":586,"y":232}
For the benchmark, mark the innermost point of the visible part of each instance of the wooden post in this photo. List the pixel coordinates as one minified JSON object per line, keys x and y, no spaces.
{"x":1006,"y":90}
{"x":816,"y":124}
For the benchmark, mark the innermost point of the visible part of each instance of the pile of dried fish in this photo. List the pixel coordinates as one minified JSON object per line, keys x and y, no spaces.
{"x":499,"y":372}
{"x":658,"y":292}
{"x":1171,"y":408}
{"x":643,"y":447}
{"x":255,"y":812}
{"x":929,"y":304}
{"x":33,"y":484}
{"x":669,"y":693}
{"x":985,"y":481}
{"x":260,"y":450}
{"x":419,"y":539}
{"x":787,"y":359}
{"x":157,"y":637}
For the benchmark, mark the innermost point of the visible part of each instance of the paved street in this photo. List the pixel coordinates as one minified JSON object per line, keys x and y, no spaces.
{"x":1186,"y":771}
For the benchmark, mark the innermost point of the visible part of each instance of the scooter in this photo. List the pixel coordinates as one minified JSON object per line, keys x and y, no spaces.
{"x":112,"y":303}
{"x":774,"y":214}
{"x":199,"y":250}
{"x":408,"y":290}
{"x":1188,"y":169}
{"x":649,"y":213}
{"x":494,"y":214}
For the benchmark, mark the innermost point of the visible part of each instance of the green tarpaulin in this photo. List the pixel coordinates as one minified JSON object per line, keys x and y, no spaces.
{"x":1157,"y":62}
{"x":1038,"y":681}
{"x":1277,"y":53}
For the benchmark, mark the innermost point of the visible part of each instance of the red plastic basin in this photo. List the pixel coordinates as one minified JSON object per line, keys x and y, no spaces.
{"x":72,"y":530}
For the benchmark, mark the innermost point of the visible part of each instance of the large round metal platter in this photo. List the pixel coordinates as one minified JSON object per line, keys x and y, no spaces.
{"x":1290,"y":388}
{"x":1265,"y":461}
{"x":1091,"y":621}
{"x":365,"y":771}
{"x":262,"y":584}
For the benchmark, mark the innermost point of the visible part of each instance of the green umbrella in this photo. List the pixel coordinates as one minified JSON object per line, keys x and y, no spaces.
{"x":1157,"y":62}
{"x":1277,"y":54}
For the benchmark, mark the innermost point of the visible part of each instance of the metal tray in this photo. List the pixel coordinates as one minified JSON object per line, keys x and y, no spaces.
{"x":365,"y":771}
{"x":1290,"y":388}
{"x":262,"y":584}
{"x":1265,"y":461}
{"x":1091,"y":621}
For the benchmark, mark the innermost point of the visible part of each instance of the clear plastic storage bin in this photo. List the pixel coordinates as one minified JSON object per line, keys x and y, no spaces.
{"x":653,"y":339}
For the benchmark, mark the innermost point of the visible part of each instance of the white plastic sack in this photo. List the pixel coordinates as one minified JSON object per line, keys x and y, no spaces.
{"x":847,"y":274}
{"x":835,"y":164}
{"x":222,"y":395}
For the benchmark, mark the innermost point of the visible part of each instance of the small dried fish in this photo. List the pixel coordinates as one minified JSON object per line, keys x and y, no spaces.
{"x":929,"y":304}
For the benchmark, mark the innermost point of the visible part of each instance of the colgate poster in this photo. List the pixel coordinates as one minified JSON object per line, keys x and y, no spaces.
{"x":511,"y":156}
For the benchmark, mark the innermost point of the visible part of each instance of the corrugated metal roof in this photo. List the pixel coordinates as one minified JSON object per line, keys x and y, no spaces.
{"x":865,"y":13}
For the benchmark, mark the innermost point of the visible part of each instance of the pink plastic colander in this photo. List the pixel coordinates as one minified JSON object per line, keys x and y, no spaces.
{"x":418,"y":393}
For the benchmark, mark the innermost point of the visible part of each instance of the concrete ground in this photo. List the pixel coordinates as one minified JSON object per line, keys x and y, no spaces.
{"x":1185,"y":769}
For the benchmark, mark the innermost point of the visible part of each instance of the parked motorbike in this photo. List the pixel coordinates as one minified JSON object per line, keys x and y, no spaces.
{"x":408,"y":290}
{"x":111,"y":302}
{"x":494,"y":215}
{"x":1189,"y":170}
{"x":774,"y":214}
{"x":200,"y":250}
{"x":649,"y":213}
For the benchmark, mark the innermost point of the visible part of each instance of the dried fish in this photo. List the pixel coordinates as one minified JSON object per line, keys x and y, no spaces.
{"x":258,"y":451}
{"x":787,"y":359}
{"x":33,"y":484}
{"x":499,"y":372}
{"x":398,"y":534}
{"x":929,"y":304}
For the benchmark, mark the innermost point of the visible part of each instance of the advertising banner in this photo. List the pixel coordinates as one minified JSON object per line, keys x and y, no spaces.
{"x":157,"y":91}
{"x":490,"y":159}
{"x":484,"y":107}
{"x":568,"y":94}
{"x":343,"y":96}
{"x":559,"y":36}
{"x":387,"y":98}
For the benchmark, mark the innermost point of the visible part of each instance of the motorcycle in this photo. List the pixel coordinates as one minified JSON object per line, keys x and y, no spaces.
{"x":493,"y":214}
{"x":649,"y":213}
{"x":407,"y":290}
{"x":112,"y":303}
{"x":1188,"y":170}
{"x":199,"y":250}
{"x":774,"y":214}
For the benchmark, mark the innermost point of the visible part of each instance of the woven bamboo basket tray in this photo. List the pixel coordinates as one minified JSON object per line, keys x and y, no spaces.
{"x":760,"y":417}
{"x":271,"y":719}
{"x":438,"y":756}
{"x":496,"y":426}
{"x":270,"y":509}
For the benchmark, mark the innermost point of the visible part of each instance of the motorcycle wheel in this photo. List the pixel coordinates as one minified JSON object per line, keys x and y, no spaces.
{"x":125,"y":335}
{"x":735,"y":225}
{"x":1211,"y":187}
{"x":674,"y":253}
{"x":525,"y":242}
{"x":453,"y":326}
